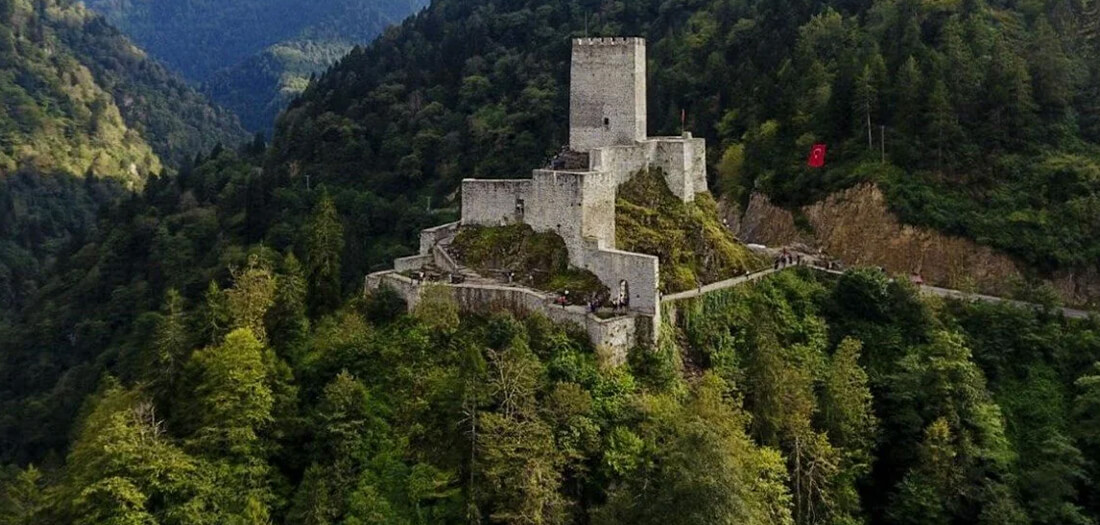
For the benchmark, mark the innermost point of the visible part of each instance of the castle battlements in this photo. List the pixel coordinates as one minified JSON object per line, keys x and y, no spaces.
{"x":608,"y":146}
{"x":609,"y":41}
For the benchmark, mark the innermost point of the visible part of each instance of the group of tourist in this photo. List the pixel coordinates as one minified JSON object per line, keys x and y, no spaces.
{"x":788,"y":259}
{"x":595,"y":301}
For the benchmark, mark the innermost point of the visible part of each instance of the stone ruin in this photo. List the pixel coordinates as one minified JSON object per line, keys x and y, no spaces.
{"x":575,"y":197}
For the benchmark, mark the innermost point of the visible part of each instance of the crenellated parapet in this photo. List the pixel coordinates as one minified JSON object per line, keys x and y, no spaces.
{"x":609,"y":41}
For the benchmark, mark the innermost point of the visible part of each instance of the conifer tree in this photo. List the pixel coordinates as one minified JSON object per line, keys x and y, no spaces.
{"x":22,"y":500}
{"x":123,"y":468}
{"x":250,"y":298}
{"x":1086,"y":408}
{"x":942,"y":126}
{"x":172,"y":344}
{"x":233,"y":403}
{"x":908,"y":94}
{"x":324,"y":243}
{"x":846,"y":404}
{"x":865,"y":100}
{"x":287,"y":321}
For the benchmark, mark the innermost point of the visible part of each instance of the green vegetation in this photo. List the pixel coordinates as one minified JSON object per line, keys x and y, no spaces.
{"x":79,"y":99}
{"x":538,"y":259}
{"x":693,"y":246}
{"x":259,"y":87}
{"x":890,"y":409}
{"x":203,"y":355}
{"x":989,"y":107}
{"x":252,"y":56}
{"x":207,"y":390}
{"x":85,"y":116}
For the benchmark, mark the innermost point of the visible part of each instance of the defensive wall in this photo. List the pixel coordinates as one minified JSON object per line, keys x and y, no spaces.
{"x":682,"y":160}
{"x":580,"y":207}
{"x":618,"y":334}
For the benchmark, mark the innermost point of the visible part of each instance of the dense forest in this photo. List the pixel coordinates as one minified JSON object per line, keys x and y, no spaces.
{"x":185,"y":371}
{"x":252,"y":56}
{"x":201,"y":351}
{"x":85,"y":116}
{"x":988,"y":107}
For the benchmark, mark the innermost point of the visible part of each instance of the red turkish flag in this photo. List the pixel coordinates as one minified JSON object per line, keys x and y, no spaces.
{"x":817,"y":156}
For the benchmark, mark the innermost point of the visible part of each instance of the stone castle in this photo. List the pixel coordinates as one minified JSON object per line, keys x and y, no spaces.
{"x":575,"y":198}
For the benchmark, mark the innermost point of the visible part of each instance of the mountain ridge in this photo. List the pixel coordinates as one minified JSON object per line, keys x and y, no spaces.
{"x":87,"y":118}
{"x":252,"y":56}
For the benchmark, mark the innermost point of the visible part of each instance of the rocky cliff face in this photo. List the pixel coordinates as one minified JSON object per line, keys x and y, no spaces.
{"x":856,"y":226}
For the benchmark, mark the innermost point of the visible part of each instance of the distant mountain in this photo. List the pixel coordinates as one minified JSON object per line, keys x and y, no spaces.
{"x":84,"y":113}
{"x":252,"y":55}
{"x":259,"y":87}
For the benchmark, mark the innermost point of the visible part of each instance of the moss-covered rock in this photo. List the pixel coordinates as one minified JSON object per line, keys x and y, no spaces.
{"x":690,"y":240}
{"x":539,"y":260}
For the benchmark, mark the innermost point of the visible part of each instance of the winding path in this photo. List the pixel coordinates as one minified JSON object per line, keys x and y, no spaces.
{"x":1071,"y":313}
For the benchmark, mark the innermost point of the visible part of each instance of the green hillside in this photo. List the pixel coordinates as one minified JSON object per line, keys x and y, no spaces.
{"x":205,"y":354}
{"x":988,"y":108}
{"x":260,"y":86}
{"x":85,"y":115}
{"x":252,"y":56}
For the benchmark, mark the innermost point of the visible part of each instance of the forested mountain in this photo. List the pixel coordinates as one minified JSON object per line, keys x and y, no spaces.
{"x":230,"y":383}
{"x":85,"y":115}
{"x":989,"y":108}
{"x":205,"y":355}
{"x":252,"y":56}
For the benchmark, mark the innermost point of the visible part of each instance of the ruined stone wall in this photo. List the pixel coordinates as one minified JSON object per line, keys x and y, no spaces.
{"x":598,"y":207}
{"x":557,"y":206}
{"x":683,"y":161}
{"x":640,"y":271}
{"x":622,"y":161}
{"x":617,"y":335}
{"x":493,"y":202}
{"x":413,"y":262}
{"x":431,"y":236}
{"x":607,"y":102}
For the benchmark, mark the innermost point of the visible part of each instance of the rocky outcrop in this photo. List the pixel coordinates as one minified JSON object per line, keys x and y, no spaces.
{"x":857,"y":227}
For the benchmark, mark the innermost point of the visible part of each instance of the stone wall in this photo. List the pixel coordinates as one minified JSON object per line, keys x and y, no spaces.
{"x":617,"y":335}
{"x":623,"y":161}
{"x":598,"y":207}
{"x":413,"y":262}
{"x":607,"y":98}
{"x":640,"y":271}
{"x":683,"y":161}
{"x":493,"y":202}
{"x":432,"y":236}
{"x":443,"y":260}
{"x":557,"y":207}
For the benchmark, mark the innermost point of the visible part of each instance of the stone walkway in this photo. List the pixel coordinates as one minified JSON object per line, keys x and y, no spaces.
{"x":720,"y":285}
{"x":929,"y":290}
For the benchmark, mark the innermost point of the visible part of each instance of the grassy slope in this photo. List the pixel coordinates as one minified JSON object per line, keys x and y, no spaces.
{"x":692,"y":243}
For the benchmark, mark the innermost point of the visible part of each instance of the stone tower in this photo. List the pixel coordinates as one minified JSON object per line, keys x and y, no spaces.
{"x":607,"y":93}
